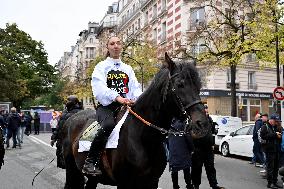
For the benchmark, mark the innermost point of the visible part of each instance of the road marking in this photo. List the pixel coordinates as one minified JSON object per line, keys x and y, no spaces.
{"x":36,"y":140}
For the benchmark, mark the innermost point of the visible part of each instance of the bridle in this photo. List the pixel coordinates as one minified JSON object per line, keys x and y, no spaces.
{"x":182,"y":109}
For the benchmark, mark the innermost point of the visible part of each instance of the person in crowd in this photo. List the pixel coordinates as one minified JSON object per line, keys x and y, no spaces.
{"x":180,"y":150}
{"x":113,"y":83}
{"x":53,"y":123}
{"x":13,"y":123}
{"x":28,"y":120}
{"x":21,"y":129}
{"x":272,"y":136}
{"x":36,"y":123}
{"x":257,"y":149}
{"x":203,"y":155}
{"x":72,"y":106}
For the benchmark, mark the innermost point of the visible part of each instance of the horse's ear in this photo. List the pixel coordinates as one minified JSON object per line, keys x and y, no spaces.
{"x":169,"y":63}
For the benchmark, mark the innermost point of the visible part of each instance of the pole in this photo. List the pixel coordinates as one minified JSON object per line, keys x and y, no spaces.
{"x":142,"y":78}
{"x":278,"y":105}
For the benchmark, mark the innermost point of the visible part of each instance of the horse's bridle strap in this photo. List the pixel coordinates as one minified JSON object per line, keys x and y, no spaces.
{"x":162,"y":130}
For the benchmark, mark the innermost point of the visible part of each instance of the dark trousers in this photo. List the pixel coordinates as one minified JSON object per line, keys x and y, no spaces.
{"x":106,"y":117}
{"x":28,"y":129}
{"x":199,"y":157}
{"x":36,"y":129}
{"x":187,"y":178}
{"x":272,"y":166}
{"x":12,"y":133}
{"x":258,"y":153}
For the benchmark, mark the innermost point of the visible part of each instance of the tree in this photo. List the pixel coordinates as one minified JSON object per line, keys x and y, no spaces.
{"x":24,"y":66}
{"x":224,"y":39}
{"x":141,"y":55}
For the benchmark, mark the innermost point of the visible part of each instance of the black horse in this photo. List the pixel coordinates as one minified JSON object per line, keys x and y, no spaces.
{"x":139,"y":160}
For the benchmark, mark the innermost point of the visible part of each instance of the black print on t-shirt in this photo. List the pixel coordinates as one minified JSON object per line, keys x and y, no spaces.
{"x":118,"y":81}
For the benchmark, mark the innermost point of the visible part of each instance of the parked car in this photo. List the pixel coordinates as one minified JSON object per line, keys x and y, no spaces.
{"x":226,"y":125}
{"x":238,"y":142}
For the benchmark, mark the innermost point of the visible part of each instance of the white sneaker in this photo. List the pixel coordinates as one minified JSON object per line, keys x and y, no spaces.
{"x":263,"y":171}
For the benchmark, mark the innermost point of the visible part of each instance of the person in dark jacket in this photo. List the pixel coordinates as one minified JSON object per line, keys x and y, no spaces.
{"x":180,"y":149}
{"x":72,"y":106}
{"x":257,"y":149}
{"x":36,"y":123}
{"x":13,"y":123}
{"x":28,"y":119}
{"x":271,"y":148}
{"x":203,"y":154}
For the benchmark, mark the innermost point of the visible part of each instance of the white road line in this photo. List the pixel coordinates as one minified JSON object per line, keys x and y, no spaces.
{"x":36,"y":140}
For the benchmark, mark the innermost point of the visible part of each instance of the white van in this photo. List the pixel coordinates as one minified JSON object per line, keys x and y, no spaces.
{"x":226,"y":125}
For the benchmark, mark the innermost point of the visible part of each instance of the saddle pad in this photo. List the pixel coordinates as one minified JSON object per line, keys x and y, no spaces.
{"x":89,"y":134}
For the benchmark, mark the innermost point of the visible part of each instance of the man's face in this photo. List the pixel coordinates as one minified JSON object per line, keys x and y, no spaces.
{"x":114,"y":47}
{"x":264,"y":118}
{"x":272,"y":122}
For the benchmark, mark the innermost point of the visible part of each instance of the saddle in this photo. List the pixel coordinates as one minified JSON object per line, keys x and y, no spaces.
{"x":106,"y":156}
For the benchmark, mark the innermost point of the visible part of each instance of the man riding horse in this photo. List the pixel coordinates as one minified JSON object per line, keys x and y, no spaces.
{"x":113,"y":83}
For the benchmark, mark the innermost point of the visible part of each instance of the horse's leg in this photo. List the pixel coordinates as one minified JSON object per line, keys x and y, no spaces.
{"x":91,"y":183}
{"x":74,"y":178}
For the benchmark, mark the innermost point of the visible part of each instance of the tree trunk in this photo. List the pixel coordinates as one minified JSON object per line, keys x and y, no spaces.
{"x":233,"y":91}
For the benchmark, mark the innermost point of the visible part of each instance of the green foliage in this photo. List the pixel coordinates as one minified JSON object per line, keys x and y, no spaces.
{"x":142,"y":57}
{"x":24,"y":66}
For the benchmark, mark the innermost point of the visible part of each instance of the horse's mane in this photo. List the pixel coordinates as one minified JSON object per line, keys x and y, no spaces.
{"x":159,"y":84}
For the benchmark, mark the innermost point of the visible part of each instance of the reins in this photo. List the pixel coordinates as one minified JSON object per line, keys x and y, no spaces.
{"x":162,"y":130}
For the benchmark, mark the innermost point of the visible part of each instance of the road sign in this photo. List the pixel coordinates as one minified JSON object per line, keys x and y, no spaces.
{"x":278,"y":93}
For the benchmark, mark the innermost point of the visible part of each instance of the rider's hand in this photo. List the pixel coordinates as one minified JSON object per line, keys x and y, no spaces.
{"x":122,"y":100}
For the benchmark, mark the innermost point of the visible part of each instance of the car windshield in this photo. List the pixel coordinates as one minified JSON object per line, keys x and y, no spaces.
{"x":243,"y":131}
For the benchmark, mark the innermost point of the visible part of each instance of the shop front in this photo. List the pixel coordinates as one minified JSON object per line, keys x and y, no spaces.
{"x":249,"y":103}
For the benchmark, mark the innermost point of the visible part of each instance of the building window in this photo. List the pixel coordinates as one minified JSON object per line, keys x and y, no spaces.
{"x":251,"y":81}
{"x":271,"y":107}
{"x":91,"y":51}
{"x":251,"y":57}
{"x":139,"y":23}
{"x":146,"y":18}
{"x":248,"y":108}
{"x":164,"y":31}
{"x":91,"y":40}
{"x":155,"y":36}
{"x":164,"y":5}
{"x":154,"y":11}
{"x":197,"y":18}
{"x":198,"y":47}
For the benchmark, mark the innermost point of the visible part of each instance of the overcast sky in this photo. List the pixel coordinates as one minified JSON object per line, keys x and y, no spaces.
{"x":57,"y":23}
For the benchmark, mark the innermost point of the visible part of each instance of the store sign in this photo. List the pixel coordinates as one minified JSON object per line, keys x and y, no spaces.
{"x":243,"y":94}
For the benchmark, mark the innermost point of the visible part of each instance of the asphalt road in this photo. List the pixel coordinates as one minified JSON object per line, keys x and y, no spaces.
{"x":21,"y":165}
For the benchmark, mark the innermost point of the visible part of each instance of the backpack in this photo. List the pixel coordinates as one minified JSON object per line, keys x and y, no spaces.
{"x":262,"y":141}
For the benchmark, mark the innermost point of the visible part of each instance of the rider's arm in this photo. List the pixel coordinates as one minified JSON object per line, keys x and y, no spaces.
{"x":99,"y":86}
{"x":134,"y":86}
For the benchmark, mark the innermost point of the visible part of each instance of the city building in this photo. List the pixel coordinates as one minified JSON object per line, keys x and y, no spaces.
{"x":107,"y":28}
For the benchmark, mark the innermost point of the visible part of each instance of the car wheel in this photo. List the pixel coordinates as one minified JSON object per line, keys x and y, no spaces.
{"x":225,"y":149}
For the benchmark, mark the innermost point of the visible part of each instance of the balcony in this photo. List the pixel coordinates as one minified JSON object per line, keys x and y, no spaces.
{"x":228,"y":85}
{"x":252,"y":86}
{"x":196,"y":25}
{"x":163,"y":11}
{"x":128,"y":17}
{"x":144,"y":3}
{"x":163,"y":38}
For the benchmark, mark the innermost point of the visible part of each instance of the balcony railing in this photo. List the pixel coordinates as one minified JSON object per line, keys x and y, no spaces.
{"x":163,"y":38}
{"x":228,"y":85}
{"x":196,"y":25}
{"x":252,"y":86}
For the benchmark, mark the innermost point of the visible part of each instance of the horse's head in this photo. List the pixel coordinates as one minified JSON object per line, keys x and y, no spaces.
{"x":182,"y":93}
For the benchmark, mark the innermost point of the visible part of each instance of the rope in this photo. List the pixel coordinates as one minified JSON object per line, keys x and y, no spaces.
{"x":162,"y":130}
{"x":42,"y":170}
